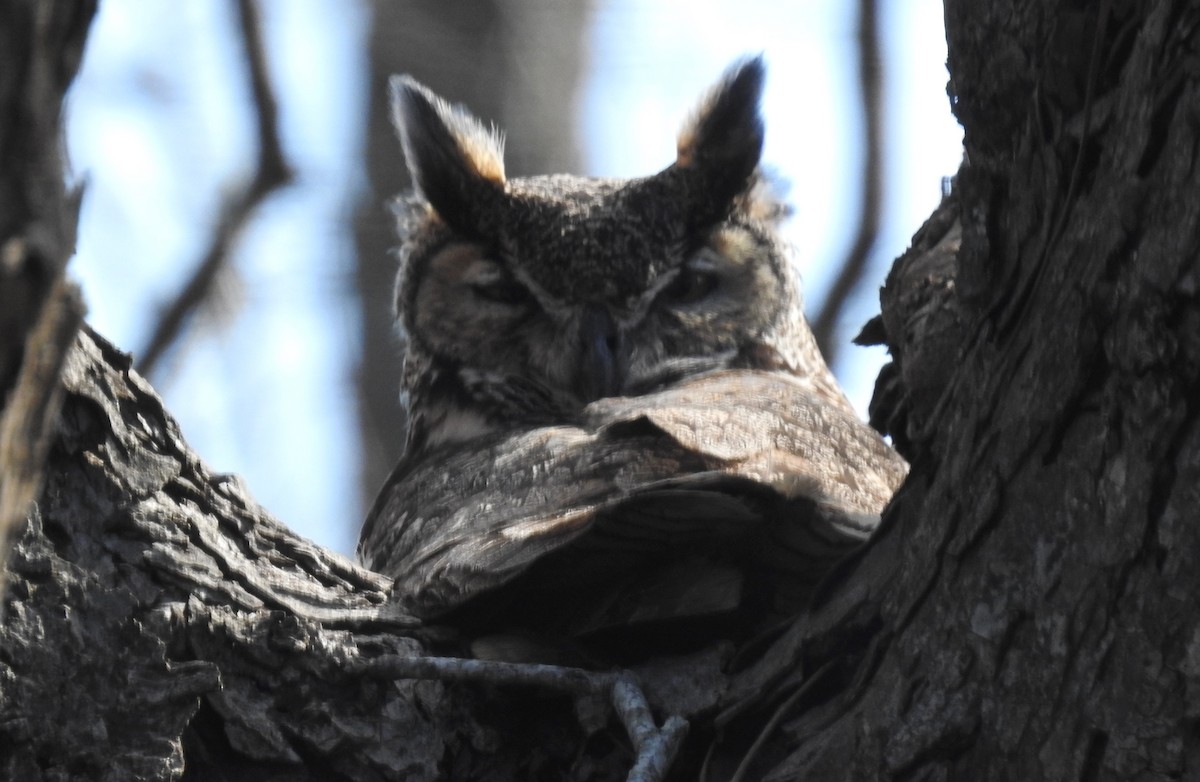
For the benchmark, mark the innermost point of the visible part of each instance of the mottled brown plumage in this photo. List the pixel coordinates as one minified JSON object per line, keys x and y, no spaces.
{"x":619,"y":419}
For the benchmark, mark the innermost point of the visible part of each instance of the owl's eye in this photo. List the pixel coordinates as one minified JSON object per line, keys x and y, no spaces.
{"x":503,"y":290}
{"x":491,"y":282}
{"x":690,"y":285}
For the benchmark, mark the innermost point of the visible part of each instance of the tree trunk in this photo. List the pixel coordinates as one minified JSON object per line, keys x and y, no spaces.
{"x":1028,"y":610}
{"x":1034,"y":595}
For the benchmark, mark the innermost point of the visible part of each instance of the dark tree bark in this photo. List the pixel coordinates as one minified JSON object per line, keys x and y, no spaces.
{"x":156,"y":613}
{"x":39,"y":310}
{"x":1035,"y":592}
{"x":1029,"y":609}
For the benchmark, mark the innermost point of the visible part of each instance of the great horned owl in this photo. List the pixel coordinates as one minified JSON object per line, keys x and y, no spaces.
{"x":618,"y":414}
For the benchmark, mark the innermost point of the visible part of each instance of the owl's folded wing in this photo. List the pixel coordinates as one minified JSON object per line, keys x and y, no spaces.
{"x":734,"y":487}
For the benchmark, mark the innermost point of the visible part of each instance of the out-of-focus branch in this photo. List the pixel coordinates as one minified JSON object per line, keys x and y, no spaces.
{"x":851,"y":274}
{"x":41,"y":45}
{"x":272,"y":173}
{"x":31,"y":409}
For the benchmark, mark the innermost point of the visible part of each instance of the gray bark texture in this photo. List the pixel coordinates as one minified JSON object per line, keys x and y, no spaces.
{"x":1028,"y":609}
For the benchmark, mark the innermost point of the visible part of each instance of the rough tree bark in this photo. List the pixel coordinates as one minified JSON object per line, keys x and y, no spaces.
{"x":1027,"y":611}
{"x":1036,"y":587}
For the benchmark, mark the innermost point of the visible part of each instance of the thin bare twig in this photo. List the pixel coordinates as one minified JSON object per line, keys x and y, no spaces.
{"x":656,"y":747}
{"x":850,"y":276}
{"x":272,"y":173}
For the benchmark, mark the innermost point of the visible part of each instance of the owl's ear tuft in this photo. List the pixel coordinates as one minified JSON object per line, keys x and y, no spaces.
{"x":723,"y":140}
{"x":456,"y":163}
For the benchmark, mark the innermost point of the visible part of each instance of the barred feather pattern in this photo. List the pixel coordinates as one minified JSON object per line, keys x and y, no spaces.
{"x":656,"y":507}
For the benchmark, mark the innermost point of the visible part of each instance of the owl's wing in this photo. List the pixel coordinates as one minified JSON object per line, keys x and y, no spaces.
{"x":672,"y":505}
{"x":778,"y":430}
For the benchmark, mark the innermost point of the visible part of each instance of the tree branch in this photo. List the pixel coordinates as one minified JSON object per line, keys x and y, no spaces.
{"x":271,"y":174}
{"x":850,"y":276}
{"x":655,"y":746}
{"x":41,"y":45}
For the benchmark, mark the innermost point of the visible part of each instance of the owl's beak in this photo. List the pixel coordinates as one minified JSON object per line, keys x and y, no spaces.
{"x":602,"y":358}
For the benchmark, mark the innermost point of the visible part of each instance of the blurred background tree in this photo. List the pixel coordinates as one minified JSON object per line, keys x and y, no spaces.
{"x":286,"y":372}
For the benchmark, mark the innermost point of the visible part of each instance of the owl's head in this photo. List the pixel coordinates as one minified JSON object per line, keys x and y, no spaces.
{"x":524,"y":299}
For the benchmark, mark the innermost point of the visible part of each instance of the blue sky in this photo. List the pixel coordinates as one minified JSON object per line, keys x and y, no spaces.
{"x":159,"y":132}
